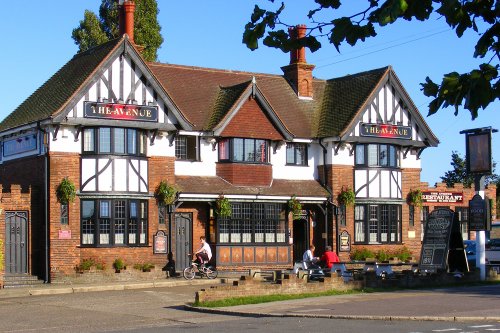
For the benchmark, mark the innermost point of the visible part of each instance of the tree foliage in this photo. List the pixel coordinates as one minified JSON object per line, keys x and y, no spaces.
{"x":459,"y":173}
{"x":93,"y":30}
{"x":473,"y":90}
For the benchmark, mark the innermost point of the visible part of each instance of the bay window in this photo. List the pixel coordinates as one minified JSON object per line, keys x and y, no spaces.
{"x":377,"y":223}
{"x":242,"y":150}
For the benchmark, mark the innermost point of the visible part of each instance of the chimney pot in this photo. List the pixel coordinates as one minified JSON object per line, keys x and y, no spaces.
{"x":299,"y":72}
{"x":126,"y":19}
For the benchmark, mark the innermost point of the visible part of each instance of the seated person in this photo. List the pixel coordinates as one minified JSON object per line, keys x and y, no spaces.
{"x":329,"y":258}
{"x":308,"y":259}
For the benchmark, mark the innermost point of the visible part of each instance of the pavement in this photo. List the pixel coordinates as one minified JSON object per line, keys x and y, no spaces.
{"x":467,"y":303}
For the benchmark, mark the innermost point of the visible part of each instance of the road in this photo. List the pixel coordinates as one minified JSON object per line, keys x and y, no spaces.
{"x":161,"y":310}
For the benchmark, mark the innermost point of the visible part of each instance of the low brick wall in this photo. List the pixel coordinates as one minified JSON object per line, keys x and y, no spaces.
{"x":255,"y":284}
{"x":287,"y":284}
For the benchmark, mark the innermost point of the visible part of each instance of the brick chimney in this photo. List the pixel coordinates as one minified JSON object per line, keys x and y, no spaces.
{"x":299,"y":72}
{"x":126,"y":18}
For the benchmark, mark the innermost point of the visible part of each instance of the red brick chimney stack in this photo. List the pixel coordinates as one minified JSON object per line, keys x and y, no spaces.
{"x":299,"y":72}
{"x":298,"y":55}
{"x":126,"y":18}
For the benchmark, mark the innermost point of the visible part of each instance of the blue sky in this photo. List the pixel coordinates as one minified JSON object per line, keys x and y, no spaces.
{"x":37,"y":42}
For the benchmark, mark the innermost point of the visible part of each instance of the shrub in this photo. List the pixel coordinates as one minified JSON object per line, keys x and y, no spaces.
{"x":295,"y":207}
{"x":165,"y":194}
{"x":118,"y":264}
{"x":66,"y":191}
{"x":362,"y":254}
{"x":223,"y":206}
{"x":86,"y":264}
{"x":346,"y":197}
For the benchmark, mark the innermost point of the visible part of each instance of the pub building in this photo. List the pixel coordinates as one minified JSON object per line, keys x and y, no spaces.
{"x":116,"y":126}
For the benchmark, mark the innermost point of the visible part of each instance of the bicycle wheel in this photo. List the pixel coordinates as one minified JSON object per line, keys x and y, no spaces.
{"x":189,"y":273}
{"x":211,"y":272}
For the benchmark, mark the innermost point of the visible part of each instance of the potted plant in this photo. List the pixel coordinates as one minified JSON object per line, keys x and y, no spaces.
{"x":223,"y":206}
{"x":66,"y":191}
{"x":295,"y":207}
{"x":118,"y":265}
{"x":165,"y":194}
{"x":346,"y":196}
{"x":147,"y":267}
{"x":415,"y":198}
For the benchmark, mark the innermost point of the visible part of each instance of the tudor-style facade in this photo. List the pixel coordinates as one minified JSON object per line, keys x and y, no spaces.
{"x":116,"y":127}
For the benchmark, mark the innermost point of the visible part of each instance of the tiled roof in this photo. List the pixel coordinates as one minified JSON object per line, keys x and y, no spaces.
{"x":224,"y":100}
{"x":279,"y":187}
{"x":197,"y":93}
{"x":58,"y":90}
{"x":342,"y":99}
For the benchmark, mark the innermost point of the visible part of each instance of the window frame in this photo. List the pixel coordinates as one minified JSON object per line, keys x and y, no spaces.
{"x":374,"y":219}
{"x":228,"y":146}
{"x":253,"y":224}
{"x":295,"y":147}
{"x":136,"y":147}
{"x":191,"y":142}
{"x":103,"y":228}
{"x":64,"y":216}
{"x":388,"y":153}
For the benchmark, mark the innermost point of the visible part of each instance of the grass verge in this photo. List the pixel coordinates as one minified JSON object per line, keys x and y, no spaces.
{"x":233,"y":301}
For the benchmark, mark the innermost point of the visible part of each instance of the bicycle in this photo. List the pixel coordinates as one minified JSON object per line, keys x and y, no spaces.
{"x":195,"y":268}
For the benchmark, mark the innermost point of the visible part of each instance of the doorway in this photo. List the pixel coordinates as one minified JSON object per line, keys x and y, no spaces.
{"x":183,"y":237}
{"x":300,"y":238}
{"x":16,"y":246}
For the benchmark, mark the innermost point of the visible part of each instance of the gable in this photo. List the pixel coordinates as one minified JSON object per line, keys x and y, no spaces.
{"x":111,"y":78}
{"x":250,"y":121}
{"x":390,"y":114}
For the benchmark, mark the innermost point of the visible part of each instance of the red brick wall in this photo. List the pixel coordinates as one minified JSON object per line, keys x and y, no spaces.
{"x":29,"y":172}
{"x":300,"y":76}
{"x":339,"y":176}
{"x":245,"y":174}
{"x":64,"y":253}
{"x":15,"y":200}
{"x":251,"y":122}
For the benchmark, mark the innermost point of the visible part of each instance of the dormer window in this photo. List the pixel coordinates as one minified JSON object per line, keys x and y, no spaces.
{"x":243,"y":150}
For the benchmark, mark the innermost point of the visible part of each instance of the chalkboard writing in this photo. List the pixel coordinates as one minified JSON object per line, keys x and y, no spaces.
{"x":477,"y":213}
{"x":435,"y":246}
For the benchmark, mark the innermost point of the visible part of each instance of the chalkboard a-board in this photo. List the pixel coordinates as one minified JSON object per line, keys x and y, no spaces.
{"x":436,"y":242}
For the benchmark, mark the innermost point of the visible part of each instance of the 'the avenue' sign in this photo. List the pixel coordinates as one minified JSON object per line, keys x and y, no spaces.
{"x":385,"y":131}
{"x":121,"y":111}
{"x":450,"y":197}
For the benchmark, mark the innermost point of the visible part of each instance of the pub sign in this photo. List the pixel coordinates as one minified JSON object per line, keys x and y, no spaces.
{"x":385,"y":131}
{"x":478,"y":214}
{"x":115,"y":111}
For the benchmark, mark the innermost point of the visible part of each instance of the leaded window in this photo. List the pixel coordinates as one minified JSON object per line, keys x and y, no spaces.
{"x":375,"y":224}
{"x":377,"y":155}
{"x":253,"y":223}
{"x":114,"y":222}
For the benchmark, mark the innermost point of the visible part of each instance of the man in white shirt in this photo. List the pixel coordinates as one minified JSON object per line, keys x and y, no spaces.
{"x":204,"y":254}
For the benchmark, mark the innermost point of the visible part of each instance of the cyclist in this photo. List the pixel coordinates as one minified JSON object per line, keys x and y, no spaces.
{"x":204,"y":254}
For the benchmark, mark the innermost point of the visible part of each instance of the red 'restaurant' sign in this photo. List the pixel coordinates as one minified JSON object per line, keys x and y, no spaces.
{"x":445,"y":197}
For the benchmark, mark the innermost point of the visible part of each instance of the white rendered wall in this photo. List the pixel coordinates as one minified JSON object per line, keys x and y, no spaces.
{"x":204,"y":167}
{"x":295,"y":172}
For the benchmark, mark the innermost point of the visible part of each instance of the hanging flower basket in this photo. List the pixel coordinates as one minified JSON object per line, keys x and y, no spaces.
{"x":415,"y":198}
{"x":346,"y":197}
{"x":66,"y":191}
{"x":295,"y":207}
{"x":223,"y":206}
{"x":165,"y":194}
